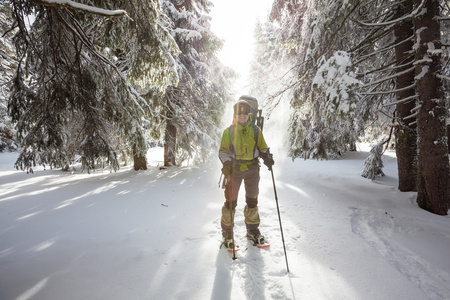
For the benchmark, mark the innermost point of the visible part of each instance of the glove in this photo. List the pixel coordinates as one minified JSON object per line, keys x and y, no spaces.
{"x":227,"y":168}
{"x":268,"y":159}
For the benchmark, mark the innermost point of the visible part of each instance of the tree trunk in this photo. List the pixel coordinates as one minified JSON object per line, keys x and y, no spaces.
{"x":170,"y":135}
{"x":170,"y":142}
{"x":433,"y":164}
{"x":448,"y":138}
{"x":406,"y":131}
{"x":140,"y":162}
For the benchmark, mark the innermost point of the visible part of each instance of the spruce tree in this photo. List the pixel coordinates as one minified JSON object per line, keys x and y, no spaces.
{"x":433,"y":162}
{"x":406,"y":127}
{"x":79,"y":83}
{"x":192,"y":109}
{"x":376,"y":39}
{"x":8,"y":63}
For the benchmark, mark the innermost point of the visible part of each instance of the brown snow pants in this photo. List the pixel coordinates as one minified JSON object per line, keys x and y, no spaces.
{"x":251,"y":214}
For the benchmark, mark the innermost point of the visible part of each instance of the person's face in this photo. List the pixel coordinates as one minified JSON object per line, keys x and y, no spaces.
{"x":242,"y":112}
{"x":242,"y":118}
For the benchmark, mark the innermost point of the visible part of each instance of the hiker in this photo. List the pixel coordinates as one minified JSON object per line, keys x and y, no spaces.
{"x":242,"y":143}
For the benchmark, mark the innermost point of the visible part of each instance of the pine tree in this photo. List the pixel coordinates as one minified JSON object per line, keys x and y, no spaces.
{"x":388,"y":25}
{"x":344,"y":42}
{"x":433,"y":162}
{"x":80,"y":80}
{"x":8,"y":63}
{"x":410,"y":113}
{"x":192,"y":109}
{"x":373,"y":165}
{"x":406,"y":129}
{"x":326,"y":119}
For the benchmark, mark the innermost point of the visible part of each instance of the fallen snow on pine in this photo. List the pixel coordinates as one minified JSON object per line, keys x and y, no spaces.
{"x":155,"y":234}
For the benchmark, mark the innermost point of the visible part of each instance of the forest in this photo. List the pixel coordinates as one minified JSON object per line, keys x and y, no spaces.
{"x":101,"y":83}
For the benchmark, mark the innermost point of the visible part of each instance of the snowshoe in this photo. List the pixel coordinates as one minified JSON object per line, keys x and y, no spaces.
{"x":257,"y":240}
{"x":228,"y":244}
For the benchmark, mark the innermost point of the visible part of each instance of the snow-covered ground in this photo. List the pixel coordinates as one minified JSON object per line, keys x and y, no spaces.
{"x":155,"y":234}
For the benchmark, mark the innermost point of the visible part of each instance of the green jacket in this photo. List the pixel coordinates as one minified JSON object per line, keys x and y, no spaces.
{"x":242,"y":144}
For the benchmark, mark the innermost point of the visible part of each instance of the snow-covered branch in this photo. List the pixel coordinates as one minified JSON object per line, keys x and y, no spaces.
{"x":76,"y":29}
{"x":415,"y":112}
{"x":389,"y":92}
{"x":82,"y":7}
{"x":413,"y":14}
{"x":374,"y":35}
{"x":390,"y":77}
{"x":413,"y":97}
{"x":389,"y":47}
{"x":443,"y":77}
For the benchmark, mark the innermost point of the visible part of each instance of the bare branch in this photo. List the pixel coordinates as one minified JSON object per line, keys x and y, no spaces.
{"x":389,"y":77}
{"x":410,"y":98}
{"x":82,"y":7}
{"x":443,"y":77}
{"x":414,"y":111}
{"x":389,"y":47}
{"x":389,"y":92}
{"x":376,"y":34}
{"x":413,"y":14}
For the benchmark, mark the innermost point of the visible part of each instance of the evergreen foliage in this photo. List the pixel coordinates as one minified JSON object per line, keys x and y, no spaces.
{"x":192,"y":109}
{"x":96,"y":87}
{"x":8,"y":64}
{"x":101,"y":87}
{"x":373,"y":165}
{"x":348,"y":71}
{"x":316,"y":77}
{"x":80,"y":78}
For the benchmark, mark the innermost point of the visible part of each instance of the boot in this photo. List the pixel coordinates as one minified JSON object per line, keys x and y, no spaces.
{"x":228,"y":243}
{"x":256,"y":238}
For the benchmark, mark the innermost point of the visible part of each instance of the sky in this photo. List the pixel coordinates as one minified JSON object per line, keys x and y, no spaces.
{"x":234,"y":21}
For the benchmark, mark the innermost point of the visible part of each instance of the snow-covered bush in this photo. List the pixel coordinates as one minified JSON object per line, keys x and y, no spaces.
{"x":373,"y":164}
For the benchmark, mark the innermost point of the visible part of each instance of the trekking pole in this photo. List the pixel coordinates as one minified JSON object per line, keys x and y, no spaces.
{"x":226,"y":185}
{"x":279,"y":218}
{"x":220,"y":179}
{"x":232,"y":232}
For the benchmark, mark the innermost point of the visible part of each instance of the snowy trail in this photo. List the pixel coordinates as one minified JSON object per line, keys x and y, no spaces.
{"x":384,"y":238}
{"x":155,"y":235}
{"x":337,"y":210}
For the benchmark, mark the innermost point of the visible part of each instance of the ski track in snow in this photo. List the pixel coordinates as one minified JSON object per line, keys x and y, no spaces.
{"x":255,"y":271}
{"x":156,"y":234}
{"x":378,"y":228}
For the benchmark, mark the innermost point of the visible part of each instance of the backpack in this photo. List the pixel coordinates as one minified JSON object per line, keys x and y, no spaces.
{"x":254,"y":111}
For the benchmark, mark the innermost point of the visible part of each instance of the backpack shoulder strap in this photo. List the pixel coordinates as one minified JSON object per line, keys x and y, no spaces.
{"x":231,"y":131}
{"x":256,"y":132}
{"x":231,"y":135}
{"x":256,"y":135}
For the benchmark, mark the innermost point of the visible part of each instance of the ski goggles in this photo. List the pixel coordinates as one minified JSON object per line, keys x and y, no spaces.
{"x":242,"y":110}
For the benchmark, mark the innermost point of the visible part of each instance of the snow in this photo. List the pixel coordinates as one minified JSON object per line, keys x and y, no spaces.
{"x":336,"y":78}
{"x":423,"y":72}
{"x":155,"y":234}
{"x":443,"y":77}
{"x":84,"y":7}
{"x":418,"y":11}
